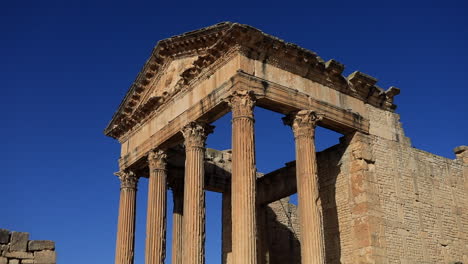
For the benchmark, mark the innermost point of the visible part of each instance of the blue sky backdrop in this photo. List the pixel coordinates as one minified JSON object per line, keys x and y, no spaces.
{"x":66,"y":65}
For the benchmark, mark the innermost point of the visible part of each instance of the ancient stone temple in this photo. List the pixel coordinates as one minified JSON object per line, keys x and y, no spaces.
{"x":372,"y":198}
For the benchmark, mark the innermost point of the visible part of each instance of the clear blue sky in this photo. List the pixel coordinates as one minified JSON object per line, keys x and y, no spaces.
{"x":66,"y":65}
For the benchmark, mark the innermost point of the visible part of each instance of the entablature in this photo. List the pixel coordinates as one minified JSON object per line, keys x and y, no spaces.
{"x":269,"y":95}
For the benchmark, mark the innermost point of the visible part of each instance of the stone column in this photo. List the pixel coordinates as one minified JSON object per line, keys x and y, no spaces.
{"x":244,"y":233}
{"x":177,"y":216}
{"x":193,"y":223}
{"x":155,"y":252}
{"x":310,"y":212}
{"x":124,"y":251}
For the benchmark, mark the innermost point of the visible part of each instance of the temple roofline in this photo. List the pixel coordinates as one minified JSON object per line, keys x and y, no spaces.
{"x":210,"y":43}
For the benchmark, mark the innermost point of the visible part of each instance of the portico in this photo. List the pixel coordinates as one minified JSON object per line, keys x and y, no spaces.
{"x":190,"y":81}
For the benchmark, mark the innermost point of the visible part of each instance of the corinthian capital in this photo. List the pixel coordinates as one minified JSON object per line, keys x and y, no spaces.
{"x":303,"y":122}
{"x":128,"y":179}
{"x":157,"y":159}
{"x":195,"y":134}
{"x":242,"y":103}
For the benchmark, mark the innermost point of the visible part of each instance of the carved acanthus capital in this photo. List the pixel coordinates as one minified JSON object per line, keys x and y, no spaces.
{"x":242,"y":103}
{"x":128,"y":179}
{"x":303,"y":122}
{"x":195,"y":134}
{"x":157,"y":159}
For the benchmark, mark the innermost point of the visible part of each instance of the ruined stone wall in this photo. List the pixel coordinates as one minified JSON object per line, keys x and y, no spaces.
{"x":424,"y":204}
{"x":385,"y":202}
{"x":416,"y":203}
{"x":16,"y":248}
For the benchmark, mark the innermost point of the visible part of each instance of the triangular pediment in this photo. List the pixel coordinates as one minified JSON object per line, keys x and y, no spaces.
{"x":161,"y":73}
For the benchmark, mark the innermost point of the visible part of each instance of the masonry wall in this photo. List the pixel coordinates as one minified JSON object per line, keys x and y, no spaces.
{"x":417,"y":202}
{"x":16,"y":248}
{"x":383,"y":202}
{"x":424,"y":203}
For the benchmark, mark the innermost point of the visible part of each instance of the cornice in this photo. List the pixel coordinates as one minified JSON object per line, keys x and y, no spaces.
{"x":211,"y":44}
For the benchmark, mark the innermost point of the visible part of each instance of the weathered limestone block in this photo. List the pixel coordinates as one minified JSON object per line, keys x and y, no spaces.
{"x":13,"y":261}
{"x":4,"y":249}
{"x":45,"y":257}
{"x":4,"y":236}
{"x":27,"y":261}
{"x":36,"y":245}
{"x":19,"y":241}
{"x":19,"y":255}
{"x":3,"y":260}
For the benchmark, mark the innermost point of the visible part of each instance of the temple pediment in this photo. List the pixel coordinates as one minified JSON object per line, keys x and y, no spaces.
{"x":178,"y":62}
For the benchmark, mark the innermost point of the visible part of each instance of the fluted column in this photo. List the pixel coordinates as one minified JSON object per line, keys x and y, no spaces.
{"x":310,"y":212}
{"x":155,"y":251}
{"x":244,"y":249}
{"x":124,"y":251}
{"x":193,"y":222}
{"x":177,"y":215}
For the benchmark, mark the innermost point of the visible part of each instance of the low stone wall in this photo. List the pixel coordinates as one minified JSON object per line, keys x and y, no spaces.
{"x":16,"y":248}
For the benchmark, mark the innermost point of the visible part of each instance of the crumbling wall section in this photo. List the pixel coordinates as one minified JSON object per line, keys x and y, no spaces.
{"x":16,"y":248}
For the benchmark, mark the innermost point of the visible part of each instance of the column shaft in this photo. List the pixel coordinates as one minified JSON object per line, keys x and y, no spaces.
{"x":193,"y":251}
{"x":244,"y":248}
{"x":124,"y":252}
{"x":155,"y":252}
{"x":177,"y":215}
{"x":310,"y":211}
